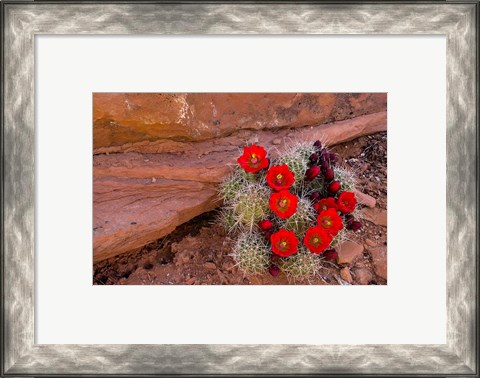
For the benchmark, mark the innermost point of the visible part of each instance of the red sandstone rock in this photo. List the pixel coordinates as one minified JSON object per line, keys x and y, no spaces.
{"x":377,"y":216}
{"x":208,"y":161}
{"x":129,"y":212}
{"x":349,"y":252}
{"x":379,"y":258}
{"x":365,"y":199}
{"x":126,"y":118}
{"x":363,"y":276}
{"x":345,"y":275}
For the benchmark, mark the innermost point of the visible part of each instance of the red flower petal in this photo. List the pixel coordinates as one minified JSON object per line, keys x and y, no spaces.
{"x":330,"y":221}
{"x":317,"y":239}
{"x":283,"y":204}
{"x":346,"y":202}
{"x":258,"y":151}
{"x":279,"y":177}
{"x":284,"y":243}
{"x":324,"y":204}
{"x":253,"y":159}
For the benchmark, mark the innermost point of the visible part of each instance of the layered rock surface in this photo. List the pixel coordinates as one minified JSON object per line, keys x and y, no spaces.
{"x":129,"y":120}
{"x":158,"y":158}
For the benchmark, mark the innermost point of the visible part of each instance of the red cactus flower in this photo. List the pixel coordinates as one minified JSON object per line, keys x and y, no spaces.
{"x":312,"y":172}
{"x":283,"y":204}
{"x":265,"y":224}
{"x":334,"y":187}
{"x":317,"y":239}
{"x":330,"y":221}
{"x":284,"y":243}
{"x":253,"y":159}
{"x":279,"y":177}
{"x":346,"y":202}
{"x":324,"y":204}
{"x":330,"y":255}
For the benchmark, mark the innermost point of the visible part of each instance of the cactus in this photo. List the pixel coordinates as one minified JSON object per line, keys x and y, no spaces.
{"x":302,"y":264}
{"x":296,"y":157}
{"x":251,"y":253}
{"x":339,"y":238}
{"x":246,"y":203}
{"x":251,"y":204}
{"x":233,"y":184}
{"x":346,"y":177}
{"x":227,"y":218}
{"x":303,"y":218}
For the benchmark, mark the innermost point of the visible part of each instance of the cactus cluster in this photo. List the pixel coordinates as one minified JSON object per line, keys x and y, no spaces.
{"x":287,"y":212}
{"x":251,"y":253}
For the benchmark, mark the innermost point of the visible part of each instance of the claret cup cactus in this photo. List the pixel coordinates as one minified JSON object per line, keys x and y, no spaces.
{"x":288,"y":214}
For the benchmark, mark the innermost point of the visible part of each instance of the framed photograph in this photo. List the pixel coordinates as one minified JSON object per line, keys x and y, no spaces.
{"x":198,"y":188}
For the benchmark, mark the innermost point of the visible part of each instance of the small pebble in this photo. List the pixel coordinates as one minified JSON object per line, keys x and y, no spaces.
{"x":277,"y":141}
{"x":345,"y":275}
{"x":210,"y":265}
{"x":154,"y":179}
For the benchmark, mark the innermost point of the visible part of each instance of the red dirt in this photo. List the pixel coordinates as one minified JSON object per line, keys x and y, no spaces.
{"x":197,"y":252}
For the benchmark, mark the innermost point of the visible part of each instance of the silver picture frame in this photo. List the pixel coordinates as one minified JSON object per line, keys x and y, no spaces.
{"x":23,"y":20}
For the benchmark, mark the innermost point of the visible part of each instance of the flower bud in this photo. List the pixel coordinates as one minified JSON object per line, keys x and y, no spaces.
{"x":318,"y":144}
{"x":356,"y":225}
{"x":334,"y":187}
{"x":349,"y":219}
{"x":333,"y":158}
{"x":325,"y":165}
{"x":314,"y":157}
{"x":312,"y":172}
{"x":265,"y":224}
{"x":274,"y":270}
{"x":330,"y":255}
{"x":315,"y":196}
{"x":268,"y":234}
{"x":328,"y":174}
